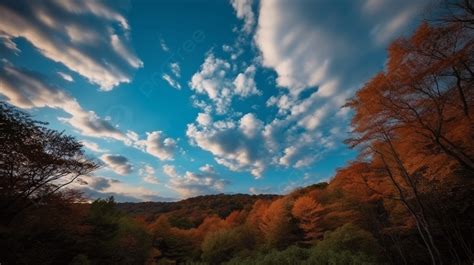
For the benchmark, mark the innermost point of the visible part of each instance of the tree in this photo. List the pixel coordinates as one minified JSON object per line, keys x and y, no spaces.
{"x":308,"y":212}
{"x":346,"y":245}
{"x":221,"y":245}
{"x":277,"y":224}
{"x":35,"y":161}
{"x":414,"y":120}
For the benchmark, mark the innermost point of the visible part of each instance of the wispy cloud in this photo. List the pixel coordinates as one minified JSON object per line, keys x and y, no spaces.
{"x":101,"y":187}
{"x":66,"y":77}
{"x":78,"y":34}
{"x":171,"y":81}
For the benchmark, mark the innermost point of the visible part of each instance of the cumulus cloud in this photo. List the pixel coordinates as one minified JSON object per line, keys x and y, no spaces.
{"x":248,"y":144}
{"x":117,"y":163}
{"x":243,"y":10}
{"x":157,"y":145}
{"x":147,"y":173}
{"x":100,"y":187}
{"x":216,"y":80}
{"x":190,"y":184}
{"x":81,"y":35}
{"x":312,"y":56}
{"x":236,"y":145}
{"x":244,"y":83}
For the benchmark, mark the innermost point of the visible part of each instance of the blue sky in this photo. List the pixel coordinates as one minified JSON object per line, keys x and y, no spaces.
{"x":184,"y":98}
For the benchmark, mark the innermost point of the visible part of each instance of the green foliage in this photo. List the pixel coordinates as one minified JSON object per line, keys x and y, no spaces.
{"x":346,"y":245}
{"x":349,"y":238}
{"x":115,"y":238}
{"x":222,"y":245}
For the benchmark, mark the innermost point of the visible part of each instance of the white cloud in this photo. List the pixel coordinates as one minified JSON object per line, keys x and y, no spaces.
{"x":171,"y":81}
{"x":147,"y":173}
{"x":101,"y":187}
{"x":237,"y":146}
{"x":190,"y":184}
{"x":26,"y":89}
{"x":215,"y":80}
{"x":176,"y":69}
{"x":243,"y":9}
{"x":297,"y":49}
{"x":163,"y":45}
{"x":170,"y":171}
{"x":244,"y":83}
{"x":62,"y":31}
{"x":93,"y":146}
{"x":157,"y":145}
{"x":117,"y":163}
{"x":250,"y":125}
{"x":66,"y":77}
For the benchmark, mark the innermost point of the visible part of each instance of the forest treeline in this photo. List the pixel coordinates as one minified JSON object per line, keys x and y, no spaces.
{"x":408,"y":198}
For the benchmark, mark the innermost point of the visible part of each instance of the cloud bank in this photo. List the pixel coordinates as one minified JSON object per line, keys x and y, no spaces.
{"x":81,"y":35}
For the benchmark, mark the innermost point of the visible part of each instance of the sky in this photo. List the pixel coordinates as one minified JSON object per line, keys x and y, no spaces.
{"x":192,"y":97}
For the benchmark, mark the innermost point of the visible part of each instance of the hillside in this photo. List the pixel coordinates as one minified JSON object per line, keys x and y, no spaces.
{"x":191,"y":212}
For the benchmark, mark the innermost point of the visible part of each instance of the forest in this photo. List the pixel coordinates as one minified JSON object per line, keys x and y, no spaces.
{"x":408,"y":198}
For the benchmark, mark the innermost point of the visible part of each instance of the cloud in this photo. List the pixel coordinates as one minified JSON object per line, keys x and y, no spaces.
{"x":163,"y":45}
{"x":216,"y":80}
{"x":27,"y":89}
{"x":171,"y":81}
{"x":238,"y":146}
{"x":148,"y":174}
{"x":176,"y":69}
{"x":66,"y":77}
{"x":390,"y":18}
{"x":93,"y":146}
{"x":317,"y":64}
{"x":206,"y":181}
{"x":158,"y":146}
{"x":244,"y":83}
{"x":248,"y":144}
{"x":243,"y":10}
{"x":309,"y":49}
{"x":81,"y":35}
{"x":7,"y":42}
{"x":100,"y":187}
{"x":117,"y":163}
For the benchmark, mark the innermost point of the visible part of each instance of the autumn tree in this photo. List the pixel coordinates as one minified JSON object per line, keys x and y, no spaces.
{"x":308,"y":212}
{"x":414,"y":120}
{"x":35,"y":161}
{"x":277,"y":224}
